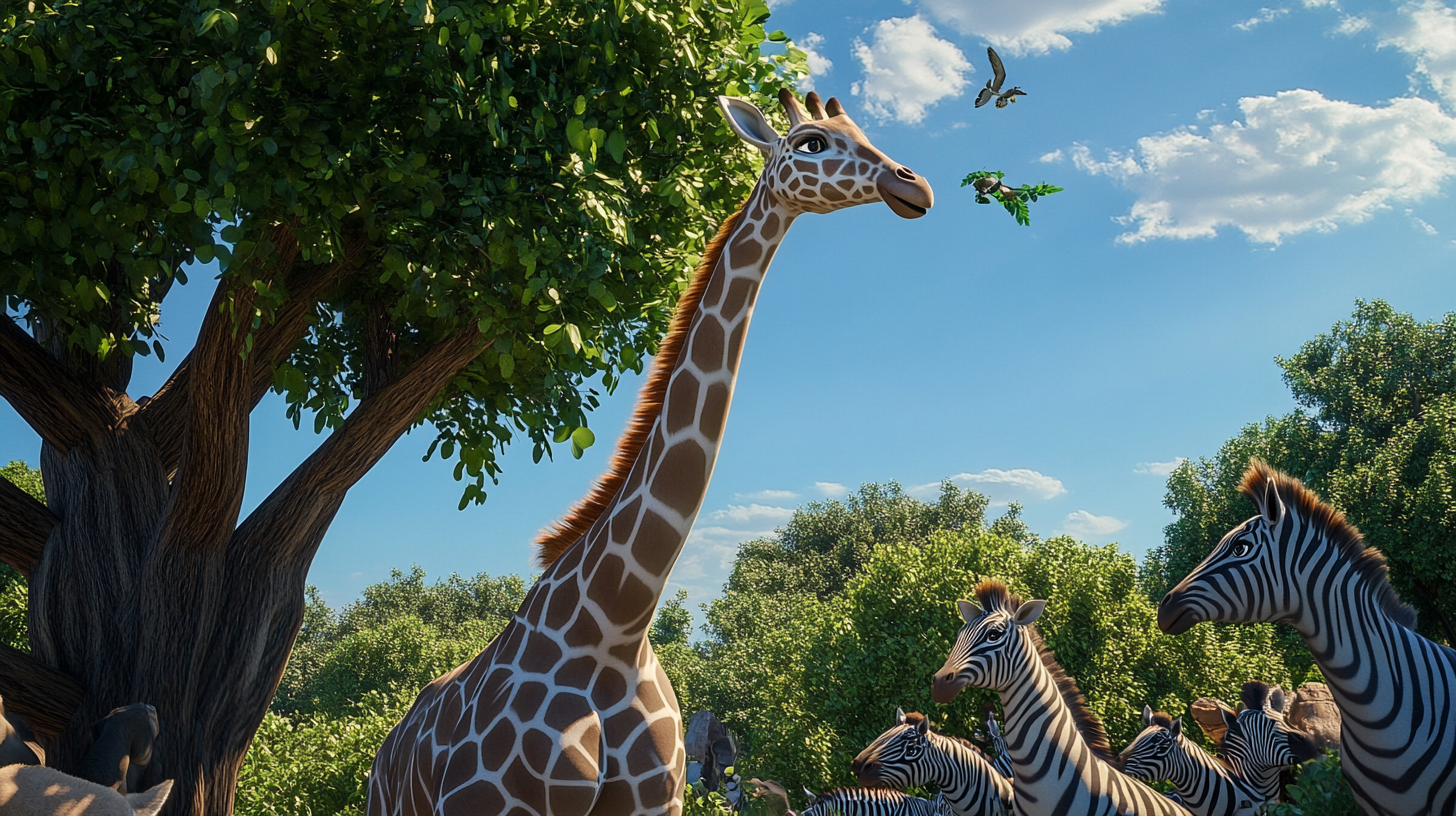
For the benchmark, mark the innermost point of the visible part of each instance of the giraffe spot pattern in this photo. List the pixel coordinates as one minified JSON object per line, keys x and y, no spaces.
{"x":564,"y":599}
{"x":715,"y":411}
{"x":681,"y":477}
{"x":707,"y":354}
{"x":682,"y":407}
{"x":656,"y":545}
{"x":541,"y":655}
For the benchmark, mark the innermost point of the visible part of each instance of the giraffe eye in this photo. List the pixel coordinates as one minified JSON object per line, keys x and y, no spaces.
{"x":813,"y":144}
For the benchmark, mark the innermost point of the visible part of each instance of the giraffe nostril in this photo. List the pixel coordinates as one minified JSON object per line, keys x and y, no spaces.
{"x":905,"y":173}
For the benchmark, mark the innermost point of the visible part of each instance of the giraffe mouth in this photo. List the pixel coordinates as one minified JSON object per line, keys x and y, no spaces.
{"x":917,"y":210}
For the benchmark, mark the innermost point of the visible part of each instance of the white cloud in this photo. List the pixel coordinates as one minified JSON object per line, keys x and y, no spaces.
{"x":819,"y":65}
{"x":1052,"y":157}
{"x":1026,"y":27}
{"x":1297,"y":162}
{"x":1084,"y":524}
{"x":1002,"y":486}
{"x":907,"y":69}
{"x":1265,"y":15}
{"x":767,"y":495}
{"x":1427,"y":31}
{"x":1352,"y":25}
{"x":1422,"y":225}
{"x":831,"y":489}
{"x":1160,"y":468}
{"x":739,"y":512}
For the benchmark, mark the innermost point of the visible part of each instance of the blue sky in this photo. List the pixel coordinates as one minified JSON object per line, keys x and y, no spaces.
{"x":1237,"y":175}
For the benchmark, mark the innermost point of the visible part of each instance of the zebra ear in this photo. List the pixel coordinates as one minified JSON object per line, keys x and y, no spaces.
{"x":1147,"y":715}
{"x":1177,"y":728}
{"x":1029,"y":612}
{"x":899,"y":716}
{"x":923,"y":726}
{"x":1271,"y":507}
{"x":1276,"y":701}
{"x":970,"y":613}
{"x":809,"y":797}
{"x":1230,"y":719}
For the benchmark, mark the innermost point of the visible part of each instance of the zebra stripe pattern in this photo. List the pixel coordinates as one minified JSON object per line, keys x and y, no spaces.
{"x":911,"y":754}
{"x":1002,"y":762}
{"x":1299,"y":561}
{"x":873,"y":802}
{"x":1060,"y":758}
{"x":1261,"y":746}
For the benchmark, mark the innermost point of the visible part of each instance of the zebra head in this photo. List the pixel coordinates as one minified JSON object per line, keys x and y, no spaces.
{"x":1155,"y":750}
{"x":989,"y":651}
{"x":1246,"y":579}
{"x":896,"y":758}
{"x":1258,"y":743}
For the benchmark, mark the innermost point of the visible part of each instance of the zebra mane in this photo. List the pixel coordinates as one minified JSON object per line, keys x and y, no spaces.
{"x":914,"y":718}
{"x":993,"y":594}
{"x":1163,"y":720}
{"x":1255,"y":694}
{"x":1368,"y":562}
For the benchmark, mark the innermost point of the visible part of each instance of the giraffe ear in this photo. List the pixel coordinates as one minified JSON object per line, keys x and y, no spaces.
{"x":970,"y":613}
{"x":899,"y":716}
{"x":749,"y":123}
{"x":1029,"y":612}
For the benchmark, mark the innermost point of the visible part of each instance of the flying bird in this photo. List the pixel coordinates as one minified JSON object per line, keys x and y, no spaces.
{"x":993,"y":85}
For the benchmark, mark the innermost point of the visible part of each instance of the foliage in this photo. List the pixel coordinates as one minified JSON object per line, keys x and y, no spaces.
{"x":1319,"y":789}
{"x":401,"y":635}
{"x":1016,"y":200}
{"x":1376,"y":437}
{"x":807,"y":668}
{"x":14,"y":591}
{"x":316,"y":764}
{"x":547,"y":172}
{"x":673,"y":623}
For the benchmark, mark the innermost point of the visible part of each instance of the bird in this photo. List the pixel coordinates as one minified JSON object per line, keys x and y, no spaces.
{"x":993,"y":85}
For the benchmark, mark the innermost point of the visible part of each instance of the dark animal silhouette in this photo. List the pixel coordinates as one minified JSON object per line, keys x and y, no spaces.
{"x":122,"y":748}
{"x":13,"y":738}
{"x":993,"y":85}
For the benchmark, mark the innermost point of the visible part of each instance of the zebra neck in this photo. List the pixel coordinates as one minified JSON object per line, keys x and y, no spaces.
{"x":1261,"y":780}
{"x":958,"y":769}
{"x":1198,"y":776}
{"x":1035,"y":711}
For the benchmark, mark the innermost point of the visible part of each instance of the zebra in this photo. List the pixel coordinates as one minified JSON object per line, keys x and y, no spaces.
{"x":1261,"y":745}
{"x":872,"y":802}
{"x":1002,"y":762}
{"x":1062,"y":763}
{"x":1300,"y":562}
{"x":911,"y":753}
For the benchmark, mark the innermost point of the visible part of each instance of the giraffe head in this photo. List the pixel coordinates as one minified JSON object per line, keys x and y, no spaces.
{"x":825,"y":162}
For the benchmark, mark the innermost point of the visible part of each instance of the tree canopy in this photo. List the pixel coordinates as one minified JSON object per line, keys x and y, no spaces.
{"x":1376,"y":437}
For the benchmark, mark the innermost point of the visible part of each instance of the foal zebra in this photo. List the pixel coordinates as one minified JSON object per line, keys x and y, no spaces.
{"x":873,"y":802}
{"x":912,"y":754}
{"x":1062,"y":763}
{"x":1261,"y":745}
{"x":1299,"y":561}
{"x":1002,"y":762}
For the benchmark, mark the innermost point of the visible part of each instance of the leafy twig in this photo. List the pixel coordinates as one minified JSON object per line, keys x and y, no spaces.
{"x":987,"y":184}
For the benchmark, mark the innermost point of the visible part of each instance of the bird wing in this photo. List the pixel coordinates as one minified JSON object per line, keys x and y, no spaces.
{"x":998,"y":71}
{"x":984,"y":96}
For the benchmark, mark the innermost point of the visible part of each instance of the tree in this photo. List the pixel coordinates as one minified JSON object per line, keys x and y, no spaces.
{"x":461,"y":214}
{"x":1376,"y":437}
{"x":13,"y":595}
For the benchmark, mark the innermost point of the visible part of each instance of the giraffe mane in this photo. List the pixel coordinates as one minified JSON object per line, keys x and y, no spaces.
{"x":556,"y":539}
{"x":1366,"y":561}
{"x":913,"y":719}
{"x":993,"y":594}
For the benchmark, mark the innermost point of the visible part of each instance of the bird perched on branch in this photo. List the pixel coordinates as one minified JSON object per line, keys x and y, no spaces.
{"x":993,"y":85}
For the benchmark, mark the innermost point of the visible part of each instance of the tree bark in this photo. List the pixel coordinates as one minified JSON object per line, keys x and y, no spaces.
{"x":143,"y":586}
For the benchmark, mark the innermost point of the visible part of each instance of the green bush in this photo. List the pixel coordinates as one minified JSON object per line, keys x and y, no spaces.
{"x":14,"y":598}
{"x":1319,"y":789}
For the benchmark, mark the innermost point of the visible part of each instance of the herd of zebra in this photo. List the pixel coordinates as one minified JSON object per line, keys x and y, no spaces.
{"x":1298,"y":562}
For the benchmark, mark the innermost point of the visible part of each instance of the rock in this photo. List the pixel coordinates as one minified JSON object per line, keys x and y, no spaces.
{"x":1314,"y":712}
{"x":1207,"y":712}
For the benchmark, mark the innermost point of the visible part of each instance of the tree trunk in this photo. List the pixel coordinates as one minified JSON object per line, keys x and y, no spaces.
{"x":201,"y":633}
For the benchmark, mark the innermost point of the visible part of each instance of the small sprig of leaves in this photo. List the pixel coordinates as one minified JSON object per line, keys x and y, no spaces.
{"x":987,"y":184}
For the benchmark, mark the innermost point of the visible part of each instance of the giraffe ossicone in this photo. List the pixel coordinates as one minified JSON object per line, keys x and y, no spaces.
{"x":567,"y":712}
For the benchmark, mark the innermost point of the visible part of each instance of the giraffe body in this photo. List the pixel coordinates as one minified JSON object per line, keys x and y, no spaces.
{"x":568,"y":711}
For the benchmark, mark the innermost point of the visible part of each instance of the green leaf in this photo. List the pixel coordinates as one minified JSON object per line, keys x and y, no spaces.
{"x":507,"y":366}
{"x":583,"y":438}
{"x":617,"y":145}
{"x":580,"y":107}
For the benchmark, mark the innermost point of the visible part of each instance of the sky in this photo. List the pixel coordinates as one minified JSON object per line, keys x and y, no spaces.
{"x":1236,"y":176}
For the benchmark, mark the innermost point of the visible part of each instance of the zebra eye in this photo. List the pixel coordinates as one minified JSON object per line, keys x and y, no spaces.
{"x":1242,"y":549}
{"x":994,"y":634}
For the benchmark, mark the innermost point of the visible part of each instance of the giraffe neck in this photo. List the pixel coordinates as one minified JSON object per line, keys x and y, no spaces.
{"x":632,"y":546}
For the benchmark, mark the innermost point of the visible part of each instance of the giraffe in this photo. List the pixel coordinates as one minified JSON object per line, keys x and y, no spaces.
{"x":567,"y":712}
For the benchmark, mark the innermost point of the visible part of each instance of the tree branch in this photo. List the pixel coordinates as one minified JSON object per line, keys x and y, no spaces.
{"x":25,"y":524}
{"x":281,"y":523}
{"x":208,"y":491}
{"x":61,"y":407}
{"x":44,"y":697}
{"x":165,"y":412}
